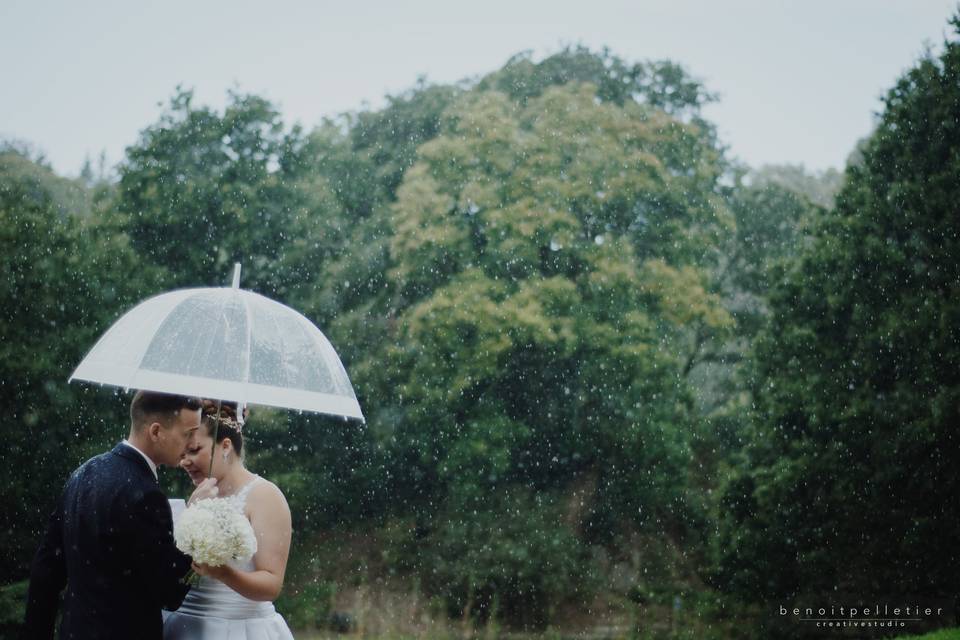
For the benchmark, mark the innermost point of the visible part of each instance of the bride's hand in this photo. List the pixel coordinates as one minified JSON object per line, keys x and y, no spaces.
{"x":206,"y":489}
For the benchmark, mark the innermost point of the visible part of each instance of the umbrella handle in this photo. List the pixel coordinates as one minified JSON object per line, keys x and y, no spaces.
{"x":216,"y":432}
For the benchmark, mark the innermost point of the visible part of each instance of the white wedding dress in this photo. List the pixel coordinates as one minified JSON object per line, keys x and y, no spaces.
{"x":214,"y":611}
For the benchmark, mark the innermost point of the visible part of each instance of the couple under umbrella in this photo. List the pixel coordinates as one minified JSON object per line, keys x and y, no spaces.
{"x":109,"y":545}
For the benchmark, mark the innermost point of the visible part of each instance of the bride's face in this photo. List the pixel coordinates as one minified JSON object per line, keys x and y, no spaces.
{"x":196,"y":458}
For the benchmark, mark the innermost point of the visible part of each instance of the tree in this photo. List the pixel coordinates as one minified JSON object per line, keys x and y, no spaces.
{"x":849,"y":478}
{"x":819,"y":188}
{"x":202,"y":190}
{"x":546,"y":269}
{"x":664,"y":85}
{"x":389,"y":138}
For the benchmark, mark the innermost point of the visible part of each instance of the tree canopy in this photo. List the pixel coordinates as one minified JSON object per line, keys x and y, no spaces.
{"x":855,"y":376}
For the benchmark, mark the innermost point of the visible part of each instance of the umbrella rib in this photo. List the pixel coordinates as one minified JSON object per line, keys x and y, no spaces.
{"x":146,"y":347}
{"x":224,"y":300}
{"x":203,"y":350}
{"x":195,"y":349}
{"x":279,"y":334}
{"x":318,"y":338}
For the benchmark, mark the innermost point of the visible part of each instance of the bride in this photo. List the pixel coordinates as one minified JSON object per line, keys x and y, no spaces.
{"x":235,"y":600}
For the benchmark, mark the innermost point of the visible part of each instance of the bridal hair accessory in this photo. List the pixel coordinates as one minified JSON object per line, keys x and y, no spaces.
{"x":228,"y":415}
{"x":224,"y":456}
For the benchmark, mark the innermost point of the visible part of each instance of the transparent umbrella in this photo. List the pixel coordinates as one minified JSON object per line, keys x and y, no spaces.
{"x":223,"y":343}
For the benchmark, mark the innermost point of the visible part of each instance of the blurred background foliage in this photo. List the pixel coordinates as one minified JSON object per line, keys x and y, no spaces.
{"x":610,"y":374}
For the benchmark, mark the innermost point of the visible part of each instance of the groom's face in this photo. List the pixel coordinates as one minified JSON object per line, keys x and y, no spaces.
{"x":177,"y":436}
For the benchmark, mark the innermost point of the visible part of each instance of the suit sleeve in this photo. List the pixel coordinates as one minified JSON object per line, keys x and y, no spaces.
{"x":160,"y":565}
{"x":48,"y":577}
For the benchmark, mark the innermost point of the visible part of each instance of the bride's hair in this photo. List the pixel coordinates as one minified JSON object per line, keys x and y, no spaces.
{"x":229,"y":427}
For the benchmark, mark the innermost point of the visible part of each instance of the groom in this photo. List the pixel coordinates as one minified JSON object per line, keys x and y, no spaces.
{"x":110,"y":541}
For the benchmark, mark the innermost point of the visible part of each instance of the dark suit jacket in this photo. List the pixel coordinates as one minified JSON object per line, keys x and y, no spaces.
{"x":110,"y":543}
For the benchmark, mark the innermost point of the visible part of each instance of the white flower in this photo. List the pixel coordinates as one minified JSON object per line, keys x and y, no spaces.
{"x":215,"y":531}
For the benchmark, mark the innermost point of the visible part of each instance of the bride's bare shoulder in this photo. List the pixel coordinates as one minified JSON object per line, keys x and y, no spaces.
{"x":266,"y":493}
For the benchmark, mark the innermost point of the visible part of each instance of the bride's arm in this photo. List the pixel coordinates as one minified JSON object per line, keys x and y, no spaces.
{"x":270,"y":517}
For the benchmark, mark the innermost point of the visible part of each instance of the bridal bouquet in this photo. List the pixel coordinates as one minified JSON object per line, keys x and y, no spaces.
{"x":214,"y":531}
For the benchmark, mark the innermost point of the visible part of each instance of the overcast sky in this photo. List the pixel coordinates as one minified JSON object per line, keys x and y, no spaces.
{"x":799,"y":80}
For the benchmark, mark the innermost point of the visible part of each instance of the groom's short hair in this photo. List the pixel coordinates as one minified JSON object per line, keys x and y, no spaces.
{"x":151,"y":406}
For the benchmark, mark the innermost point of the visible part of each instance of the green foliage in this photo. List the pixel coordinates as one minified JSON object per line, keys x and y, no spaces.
{"x":772,"y":225}
{"x":13,"y":601}
{"x":663,"y":84}
{"x":819,"y":188}
{"x":511,"y":289}
{"x":560,"y":173}
{"x":309,"y":606}
{"x":63,"y":279}
{"x":389,"y":138}
{"x":28,"y":178}
{"x":547,"y":269}
{"x":327,"y":468}
{"x":512,"y":557}
{"x":202,"y":190}
{"x":352,"y":176}
{"x":848,"y":481}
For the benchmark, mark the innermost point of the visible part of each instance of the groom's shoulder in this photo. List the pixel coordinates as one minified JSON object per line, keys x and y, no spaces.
{"x":112,"y":462}
{"x":114,"y":476}
{"x":94,"y":464}
{"x":107,"y":457}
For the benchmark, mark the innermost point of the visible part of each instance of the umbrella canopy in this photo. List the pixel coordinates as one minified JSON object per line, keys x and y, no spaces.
{"x":223,"y":343}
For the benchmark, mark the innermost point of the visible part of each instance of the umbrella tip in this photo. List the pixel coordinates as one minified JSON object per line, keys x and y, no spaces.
{"x":236,"y":275}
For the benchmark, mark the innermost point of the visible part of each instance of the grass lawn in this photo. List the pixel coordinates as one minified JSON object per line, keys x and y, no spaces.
{"x":943,"y":634}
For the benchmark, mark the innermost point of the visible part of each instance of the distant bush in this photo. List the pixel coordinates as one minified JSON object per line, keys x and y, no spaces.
{"x":308,"y":607}
{"x":514,"y":561}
